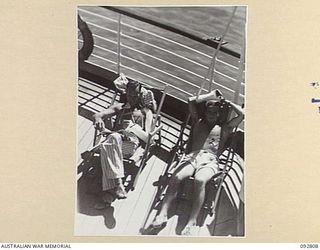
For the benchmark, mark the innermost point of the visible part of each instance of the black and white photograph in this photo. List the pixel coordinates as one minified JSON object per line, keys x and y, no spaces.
{"x":160,"y":123}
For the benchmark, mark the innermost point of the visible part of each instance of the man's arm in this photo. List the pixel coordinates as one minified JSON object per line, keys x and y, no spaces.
{"x":149,"y":120}
{"x":137,"y":129}
{"x":147,"y":100}
{"x":234,"y":122}
{"x":214,"y":95}
{"x":100,"y":116}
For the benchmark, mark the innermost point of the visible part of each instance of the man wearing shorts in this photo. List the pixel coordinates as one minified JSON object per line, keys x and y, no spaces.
{"x":206,"y":142}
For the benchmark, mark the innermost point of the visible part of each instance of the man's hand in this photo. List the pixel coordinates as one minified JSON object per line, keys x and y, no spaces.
{"x":99,"y":124}
{"x":217,"y":93}
{"x":105,"y":132}
{"x":222,"y":99}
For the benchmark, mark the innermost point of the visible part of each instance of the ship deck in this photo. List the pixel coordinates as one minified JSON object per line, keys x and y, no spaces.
{"x":127,"y":216}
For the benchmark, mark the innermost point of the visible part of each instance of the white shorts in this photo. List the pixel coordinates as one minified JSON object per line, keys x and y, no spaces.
{"x":202,"y":159}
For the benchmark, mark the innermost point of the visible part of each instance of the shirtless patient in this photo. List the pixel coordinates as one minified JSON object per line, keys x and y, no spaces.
{"x":208,"y":136}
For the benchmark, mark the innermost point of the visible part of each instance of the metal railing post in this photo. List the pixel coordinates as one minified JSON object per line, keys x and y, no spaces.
{"x":119,"y":44}
{"x":241,"y":67}
{"x":186,"y":86}
{"x":211,"y":80}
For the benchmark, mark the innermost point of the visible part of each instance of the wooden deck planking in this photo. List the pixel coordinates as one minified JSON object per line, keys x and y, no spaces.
{"x":101,"y":101}
{"x":124,"y":213}
{"x":138,"y":200}
{"x":78,"y":223}
{"x":83,"y":134}
{"x":95,"y":89}
{"x":169,"y":140}
{"x":90,"y":225}
{"x":171,"y":226}
{"x":146,"y":197}
{"x":225,"y":218}
{"x":165,"y":136}
{"x":85,"y":96}
{"x":129,"y":214}
{"x":80,"y":122}
{"x":100,"y":228}
{"x":89,"y":134}
{"x":128,"y":211}
{"x":85,"y":137}
{"x":95,"y":96}
{"x":85,"y":83}
{"x":233,"y":182}
{"x":116,"y":208}
{"x":205,"y":230}
{"x":90,"y":89}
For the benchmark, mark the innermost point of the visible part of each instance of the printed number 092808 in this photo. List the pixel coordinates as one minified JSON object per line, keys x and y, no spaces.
{"x":308,"y":245}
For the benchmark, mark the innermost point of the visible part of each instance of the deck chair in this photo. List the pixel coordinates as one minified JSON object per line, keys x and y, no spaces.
{"x":233,"y":148}
{"x":140,"y":157}
{"x":230,"y":185}
{"x":178,"y":151}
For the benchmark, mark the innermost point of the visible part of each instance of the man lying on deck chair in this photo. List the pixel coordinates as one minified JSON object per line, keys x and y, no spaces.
{"x":207,"y":138}
{"x":133,"y":123}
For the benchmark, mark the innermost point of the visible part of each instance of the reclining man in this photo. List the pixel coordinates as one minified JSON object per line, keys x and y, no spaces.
{"x":133,"y":123}
{"x":207,"y":138}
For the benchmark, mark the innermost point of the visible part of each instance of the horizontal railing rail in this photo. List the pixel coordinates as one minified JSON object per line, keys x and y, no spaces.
{"x":210,"y":43}
{"x":121,"y":45}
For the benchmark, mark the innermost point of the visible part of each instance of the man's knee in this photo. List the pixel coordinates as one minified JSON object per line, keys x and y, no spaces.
{"x":115,"y":137}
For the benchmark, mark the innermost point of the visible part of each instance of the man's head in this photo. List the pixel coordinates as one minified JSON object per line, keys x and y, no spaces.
{"x":212,"y":113}
{"x":133,"y":92}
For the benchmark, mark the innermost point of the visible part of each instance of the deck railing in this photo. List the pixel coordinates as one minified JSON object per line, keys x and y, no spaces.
{"x":158,"y":54}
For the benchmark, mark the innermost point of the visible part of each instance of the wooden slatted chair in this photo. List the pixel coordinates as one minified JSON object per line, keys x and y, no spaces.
{"x":232,"y":184}
{"x":178,"y":152}
{"x":137,"y":162}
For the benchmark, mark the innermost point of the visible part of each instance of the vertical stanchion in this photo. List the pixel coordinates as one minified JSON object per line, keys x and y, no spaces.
{"x":151,"y":134}
{"x":119,"y":44}
{"x":210,"y":71}
{"x":218,"y":49}
{"x":241,"y":67}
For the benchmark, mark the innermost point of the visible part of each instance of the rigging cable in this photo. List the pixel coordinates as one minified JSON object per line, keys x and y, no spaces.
{"x":212,"y":64}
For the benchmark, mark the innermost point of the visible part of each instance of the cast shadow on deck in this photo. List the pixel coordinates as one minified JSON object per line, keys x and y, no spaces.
{"x":179,"y":212}
{"x":89,"y":190}
{"x":88,"y":194}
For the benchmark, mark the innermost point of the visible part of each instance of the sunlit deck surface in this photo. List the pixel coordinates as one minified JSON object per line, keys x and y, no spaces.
{"x":126,"y":217}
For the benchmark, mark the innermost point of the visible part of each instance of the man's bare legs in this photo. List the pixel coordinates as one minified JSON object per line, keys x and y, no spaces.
{"x":183,"y":171}
{"x":200,"y":181}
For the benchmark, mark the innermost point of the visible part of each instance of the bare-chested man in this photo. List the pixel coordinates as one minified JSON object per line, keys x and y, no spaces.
{"x":207,"y":138}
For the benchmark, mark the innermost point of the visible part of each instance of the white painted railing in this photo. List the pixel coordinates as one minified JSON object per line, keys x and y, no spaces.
{"x":139,"y":50}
